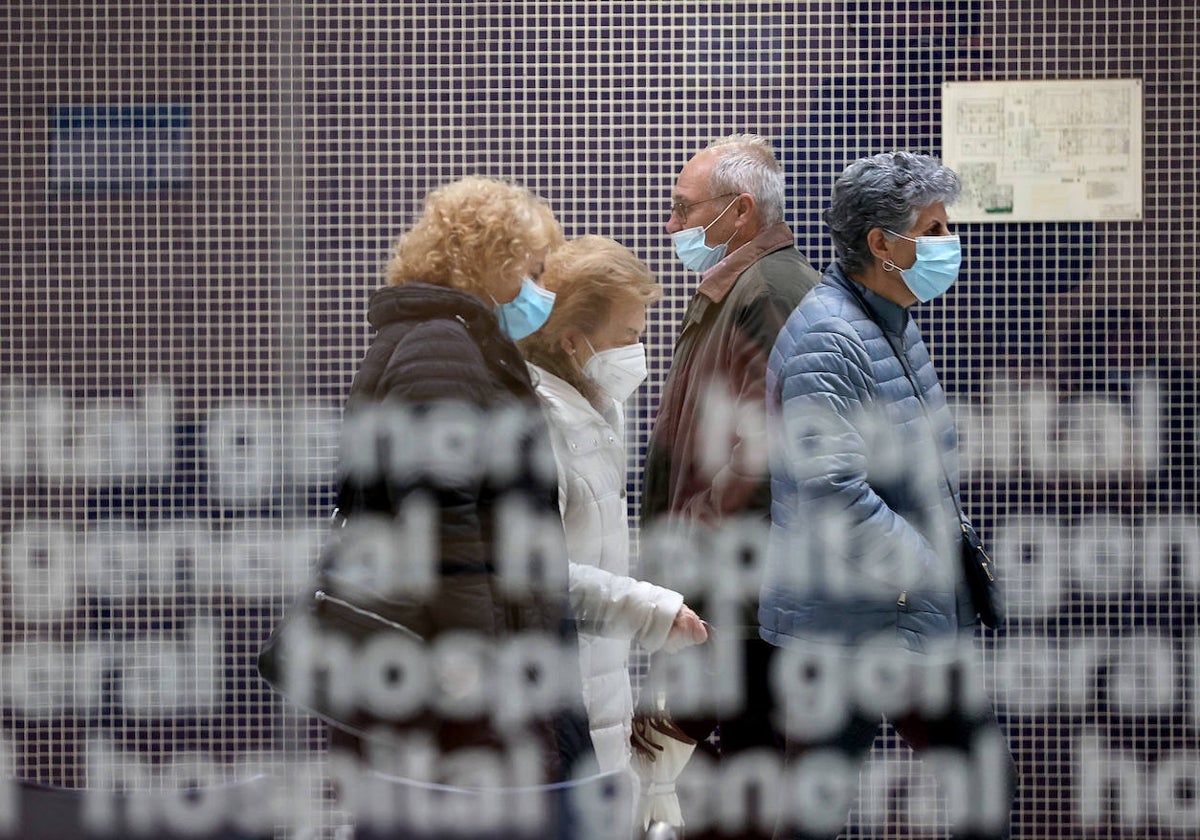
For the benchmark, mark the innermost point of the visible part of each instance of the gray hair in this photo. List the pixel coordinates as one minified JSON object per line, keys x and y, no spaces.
{"x":746,"y":164}
{"x":886,"y":191}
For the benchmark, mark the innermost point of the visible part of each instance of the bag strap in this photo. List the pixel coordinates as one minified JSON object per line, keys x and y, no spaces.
{"x":968,"y":530}
{"x":911,"y":376}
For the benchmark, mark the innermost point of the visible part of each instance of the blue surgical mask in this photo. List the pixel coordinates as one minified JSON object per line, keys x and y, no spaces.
{"x":936,"y":267}
{"x":527,"y":312}
{"x":694,"y":252}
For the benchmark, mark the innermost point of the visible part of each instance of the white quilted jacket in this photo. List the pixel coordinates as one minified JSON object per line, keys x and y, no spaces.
{"x":612,"y":609}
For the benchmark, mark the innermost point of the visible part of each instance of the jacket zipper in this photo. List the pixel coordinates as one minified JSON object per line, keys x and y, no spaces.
{"x":323,"y":597}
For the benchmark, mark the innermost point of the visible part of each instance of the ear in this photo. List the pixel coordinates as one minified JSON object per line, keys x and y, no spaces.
{"x":879,"y":244}
{"x":569,"y":342}
{"x":744,"y":206}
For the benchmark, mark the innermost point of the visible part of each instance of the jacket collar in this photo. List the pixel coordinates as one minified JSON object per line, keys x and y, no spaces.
{"x":565,"y":403}
{"x":423,"y":301}
{"x":716,"y":283}
{"x":562,"y":397}
{"x":420,"y":302}
{"x":891,"y":317}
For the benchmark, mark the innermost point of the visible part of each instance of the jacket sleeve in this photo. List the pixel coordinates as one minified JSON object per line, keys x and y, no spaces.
{"x":836,"y":442}
{"x":739,"y":482}
{"x":620,"y":607}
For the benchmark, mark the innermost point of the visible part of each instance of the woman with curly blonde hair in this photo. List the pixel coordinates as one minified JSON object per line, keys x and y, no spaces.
{"x":443,"y":429}
{"x":478,"y":235}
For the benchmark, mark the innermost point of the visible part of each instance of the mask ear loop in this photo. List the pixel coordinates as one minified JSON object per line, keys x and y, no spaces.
{"x":588,"y":343}
{"x":722,"y":213}
{"x":575,"y":354}
{"x":888,"y":265}
{"x":719,"y":215}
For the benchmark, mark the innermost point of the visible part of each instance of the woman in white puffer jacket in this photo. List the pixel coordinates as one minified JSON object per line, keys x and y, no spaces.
{"x":585,"y":362}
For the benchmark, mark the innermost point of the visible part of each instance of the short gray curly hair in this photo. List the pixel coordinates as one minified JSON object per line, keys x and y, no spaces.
{"x":886,"y":191}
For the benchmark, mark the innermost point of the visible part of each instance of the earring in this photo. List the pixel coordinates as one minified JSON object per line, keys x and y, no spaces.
{"x":888,"y":265}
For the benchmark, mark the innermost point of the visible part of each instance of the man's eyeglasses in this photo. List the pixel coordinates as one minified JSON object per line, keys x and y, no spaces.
{"x":681,"y":210}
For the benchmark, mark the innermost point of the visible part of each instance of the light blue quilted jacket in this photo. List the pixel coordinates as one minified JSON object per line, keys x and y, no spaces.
{"x":864,"y":531}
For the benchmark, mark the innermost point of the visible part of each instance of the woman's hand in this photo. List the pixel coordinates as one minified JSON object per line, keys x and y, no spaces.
{"x":686,"y":630}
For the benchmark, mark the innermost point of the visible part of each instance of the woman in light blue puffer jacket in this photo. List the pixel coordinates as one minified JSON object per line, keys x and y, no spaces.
{"x":863,"y":573}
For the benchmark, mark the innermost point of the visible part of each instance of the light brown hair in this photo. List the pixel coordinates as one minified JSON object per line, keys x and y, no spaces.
{"x":588,"y":275}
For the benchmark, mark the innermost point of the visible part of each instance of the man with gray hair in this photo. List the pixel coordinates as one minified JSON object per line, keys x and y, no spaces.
{"x":706,"y":465}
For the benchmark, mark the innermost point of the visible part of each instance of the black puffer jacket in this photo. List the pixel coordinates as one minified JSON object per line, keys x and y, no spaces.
{"x":435,"y":343}
{"x":436,"y":347}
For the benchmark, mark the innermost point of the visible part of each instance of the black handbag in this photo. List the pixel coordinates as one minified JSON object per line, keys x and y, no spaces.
{"x":980,"y":576}
{"x":329,"y":608}
{"x":330,"y":612}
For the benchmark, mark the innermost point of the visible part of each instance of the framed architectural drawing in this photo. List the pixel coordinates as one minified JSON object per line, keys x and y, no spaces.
{"x":1045,"y":150}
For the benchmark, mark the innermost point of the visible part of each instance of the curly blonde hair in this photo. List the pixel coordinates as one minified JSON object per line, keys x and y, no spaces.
{"x":475,"y":234}
{"x":588,"y":275}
